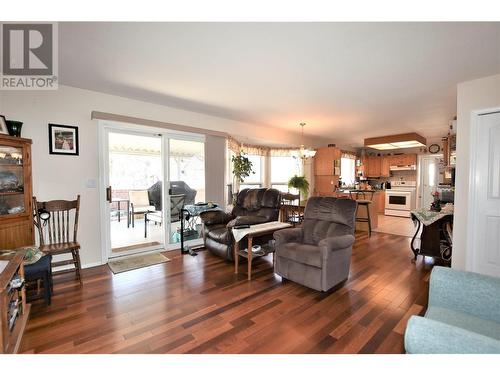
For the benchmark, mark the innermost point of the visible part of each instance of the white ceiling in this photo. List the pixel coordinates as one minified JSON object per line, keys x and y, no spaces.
{"x":348,"y":81}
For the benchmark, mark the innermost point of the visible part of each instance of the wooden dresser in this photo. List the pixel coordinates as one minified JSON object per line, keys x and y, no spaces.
{"x":14,"y":310}
{"x":16,"y":213}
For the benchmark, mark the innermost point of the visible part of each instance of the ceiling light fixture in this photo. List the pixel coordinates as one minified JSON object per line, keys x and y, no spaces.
{"x":304,"y":153}
{"x":393,"y":142}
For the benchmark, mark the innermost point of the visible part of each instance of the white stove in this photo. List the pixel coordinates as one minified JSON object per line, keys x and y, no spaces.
{"x":400,"y":199}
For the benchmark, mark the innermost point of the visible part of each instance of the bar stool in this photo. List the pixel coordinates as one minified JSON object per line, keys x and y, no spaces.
{"x":365,"y":203}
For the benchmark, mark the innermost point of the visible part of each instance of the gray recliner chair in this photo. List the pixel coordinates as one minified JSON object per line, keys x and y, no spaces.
{"x":318,"y":254}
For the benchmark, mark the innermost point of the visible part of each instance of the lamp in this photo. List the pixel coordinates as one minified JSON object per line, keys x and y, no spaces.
{"x":303,"y":152}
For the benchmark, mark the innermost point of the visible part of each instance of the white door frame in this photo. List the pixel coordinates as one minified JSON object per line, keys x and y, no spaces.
{"x":420,"y":176}
{"x":104,"y":126}
{"x":470,"y":259}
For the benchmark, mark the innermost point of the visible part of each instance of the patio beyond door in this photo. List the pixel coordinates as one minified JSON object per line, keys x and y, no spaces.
{"x":187,"y":188}
{"x":134,"y":192}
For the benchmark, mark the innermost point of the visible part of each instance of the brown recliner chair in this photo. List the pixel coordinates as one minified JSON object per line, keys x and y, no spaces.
{"x":318,"y":255}
{"x":253,"y":206}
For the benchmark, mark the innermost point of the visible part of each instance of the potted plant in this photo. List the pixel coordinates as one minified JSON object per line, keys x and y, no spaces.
{"x":301,"y":184}
{"x":242,"y":168}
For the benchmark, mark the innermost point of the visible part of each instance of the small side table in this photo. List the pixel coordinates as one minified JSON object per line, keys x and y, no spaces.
{"x":254,"y":231}
{"x":188,"y":215}
{"x":434,"y":241}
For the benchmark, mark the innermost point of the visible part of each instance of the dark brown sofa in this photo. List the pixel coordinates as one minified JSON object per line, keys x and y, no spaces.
{"x":318,"y":255}
{"x":253,"y":206}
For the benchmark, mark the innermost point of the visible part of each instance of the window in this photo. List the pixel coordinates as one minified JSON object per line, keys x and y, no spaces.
{"x":348,"y":171}
{"x":282,"y":168}
{"x":255,"y":180}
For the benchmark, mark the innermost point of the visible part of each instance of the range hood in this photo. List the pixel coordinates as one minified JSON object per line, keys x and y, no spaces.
{"x":397,"y":141}
{"x":411,"y":167}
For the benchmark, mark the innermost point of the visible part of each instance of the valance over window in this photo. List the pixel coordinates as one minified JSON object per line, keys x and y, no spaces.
{"x":248,"y":149}
{"x":349,"y":155}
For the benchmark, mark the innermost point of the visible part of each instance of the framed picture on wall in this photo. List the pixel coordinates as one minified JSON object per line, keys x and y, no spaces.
{"x":63,"y":139}
{"x":3,"y":125}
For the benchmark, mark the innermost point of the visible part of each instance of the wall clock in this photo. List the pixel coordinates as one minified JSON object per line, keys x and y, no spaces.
{"x":434,"y":148}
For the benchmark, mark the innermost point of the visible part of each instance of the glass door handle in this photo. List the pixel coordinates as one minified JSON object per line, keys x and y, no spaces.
{"x":108,"y":194}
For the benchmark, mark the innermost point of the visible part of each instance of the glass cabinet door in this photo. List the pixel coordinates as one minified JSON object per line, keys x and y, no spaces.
{"x":11,"y":181}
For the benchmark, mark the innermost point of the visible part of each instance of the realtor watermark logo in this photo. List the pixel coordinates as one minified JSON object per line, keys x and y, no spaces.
{"x":29,"y":56}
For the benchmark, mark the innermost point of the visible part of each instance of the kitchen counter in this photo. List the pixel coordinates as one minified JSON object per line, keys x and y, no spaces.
{"x":366,"y":191}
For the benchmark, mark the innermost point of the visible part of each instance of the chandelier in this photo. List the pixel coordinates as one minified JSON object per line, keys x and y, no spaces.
{"x":304,"y":153}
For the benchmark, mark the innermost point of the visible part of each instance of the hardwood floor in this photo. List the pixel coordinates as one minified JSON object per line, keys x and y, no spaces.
{"x":400,"y":226}
{"x":198,"y":305}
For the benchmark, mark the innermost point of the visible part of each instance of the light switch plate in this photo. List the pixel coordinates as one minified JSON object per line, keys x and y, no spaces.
{"x":91,"y":183}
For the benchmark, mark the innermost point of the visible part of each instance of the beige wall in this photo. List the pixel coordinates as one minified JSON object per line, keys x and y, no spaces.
{"x":473,"y":95}
{"x":215,"y":171}
{"x":64,"y":177}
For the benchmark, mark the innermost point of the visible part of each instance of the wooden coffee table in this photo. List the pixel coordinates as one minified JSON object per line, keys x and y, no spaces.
{"x":254,"y":231}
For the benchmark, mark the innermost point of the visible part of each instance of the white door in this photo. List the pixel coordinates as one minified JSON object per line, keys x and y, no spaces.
{"x":486,"y":210}
{"x":429,"y":173}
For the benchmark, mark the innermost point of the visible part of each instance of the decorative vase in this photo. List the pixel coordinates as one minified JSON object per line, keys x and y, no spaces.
{"x":14,"y":127}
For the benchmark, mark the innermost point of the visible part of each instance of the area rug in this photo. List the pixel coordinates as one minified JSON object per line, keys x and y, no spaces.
{"x":135,"y":262}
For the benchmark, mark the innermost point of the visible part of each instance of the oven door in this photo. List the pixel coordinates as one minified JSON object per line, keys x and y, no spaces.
{"x":398,"y":200}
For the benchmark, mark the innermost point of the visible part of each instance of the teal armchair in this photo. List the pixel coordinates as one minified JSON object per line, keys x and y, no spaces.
{"x":463,"y":315}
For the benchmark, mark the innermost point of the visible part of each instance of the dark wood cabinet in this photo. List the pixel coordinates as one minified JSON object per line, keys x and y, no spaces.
{"x":16,"y":213}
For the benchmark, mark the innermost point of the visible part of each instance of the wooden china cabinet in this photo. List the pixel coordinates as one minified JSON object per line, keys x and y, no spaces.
{"x":16,"y":213}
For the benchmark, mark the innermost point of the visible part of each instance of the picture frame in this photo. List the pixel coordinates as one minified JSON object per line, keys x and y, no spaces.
{"x":3,"y":125}
{"x":63,"y":140}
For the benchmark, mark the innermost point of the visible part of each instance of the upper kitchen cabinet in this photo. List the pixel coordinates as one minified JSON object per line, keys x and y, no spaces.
{"x":385,"y":167}
{"x":402,"y":160}
{"x":373,"y":166}
{"x":381,"y":166}
{"x":324,"y":161}
{"x":449,"y":150}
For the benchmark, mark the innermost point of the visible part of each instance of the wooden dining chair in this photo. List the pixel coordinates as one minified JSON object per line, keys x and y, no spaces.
{"x":59,"y":219}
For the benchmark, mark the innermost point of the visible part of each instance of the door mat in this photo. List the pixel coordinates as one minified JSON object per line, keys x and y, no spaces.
{"x":135,"y":262}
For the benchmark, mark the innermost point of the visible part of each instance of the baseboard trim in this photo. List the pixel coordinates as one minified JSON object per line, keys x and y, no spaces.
{"x":91,"y":265}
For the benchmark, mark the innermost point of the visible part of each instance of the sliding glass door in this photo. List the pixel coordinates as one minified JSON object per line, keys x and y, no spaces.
{"x":187,"y":188}
{"x":134,"y":191}
{"x":149,"y":176}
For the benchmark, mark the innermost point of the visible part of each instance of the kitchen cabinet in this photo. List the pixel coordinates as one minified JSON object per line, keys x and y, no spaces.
{"x":373,"y":166}
{"x":449,"y":150}
{"x":403,"y":159}
{"x":325,"y":185}
{"x":324,"y":161}
{"x":379,"y":166}
{"x":380,"y":206}
{"x":384,"y":167}
{"x":326,"y":177}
